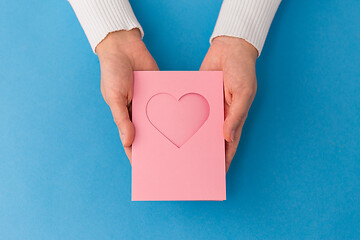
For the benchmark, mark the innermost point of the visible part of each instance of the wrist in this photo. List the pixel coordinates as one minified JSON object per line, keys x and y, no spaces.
{"x":235,"y":43}
{"x":118,"y":40}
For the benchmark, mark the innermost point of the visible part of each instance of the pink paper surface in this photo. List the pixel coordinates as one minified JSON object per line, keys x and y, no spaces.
{"x":178,"y":152}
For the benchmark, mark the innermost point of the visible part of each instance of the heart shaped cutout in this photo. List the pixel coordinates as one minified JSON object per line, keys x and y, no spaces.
{"x":177,"y":119}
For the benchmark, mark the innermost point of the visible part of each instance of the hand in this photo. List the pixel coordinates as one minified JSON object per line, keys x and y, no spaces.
{"x":120,"y":53}
{"x":236,"y":58}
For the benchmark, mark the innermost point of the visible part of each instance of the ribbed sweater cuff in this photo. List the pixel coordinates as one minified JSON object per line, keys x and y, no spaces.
{"x":100,"y":17}
{"x":246,"y":19}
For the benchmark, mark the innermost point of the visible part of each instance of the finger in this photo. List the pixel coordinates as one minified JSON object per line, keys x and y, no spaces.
{"x":236,"y":113}
{"x":230,"y":148}
{"x":128,"y":151}
{"x":121,"y":117}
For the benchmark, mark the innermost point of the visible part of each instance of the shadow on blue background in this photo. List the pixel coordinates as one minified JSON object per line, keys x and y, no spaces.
{"x":296,"y":175}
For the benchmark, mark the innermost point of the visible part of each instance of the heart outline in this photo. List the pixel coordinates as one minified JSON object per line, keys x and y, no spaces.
{"x":178,"y":100}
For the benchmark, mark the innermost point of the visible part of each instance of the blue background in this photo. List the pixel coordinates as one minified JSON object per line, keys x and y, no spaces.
{"x":296,"y":175}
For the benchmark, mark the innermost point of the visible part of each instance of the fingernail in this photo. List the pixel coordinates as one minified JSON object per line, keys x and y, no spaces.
{"x":232,"y":135}
{"x":122,"y":133}
{"x":122,"y":136}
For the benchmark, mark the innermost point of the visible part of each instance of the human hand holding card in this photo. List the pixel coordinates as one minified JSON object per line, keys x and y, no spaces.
{"x":178,"y":152}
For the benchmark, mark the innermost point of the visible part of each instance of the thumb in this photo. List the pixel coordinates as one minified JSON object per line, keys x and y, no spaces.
{"x":236,"y":113}
{"x":121,"y":117}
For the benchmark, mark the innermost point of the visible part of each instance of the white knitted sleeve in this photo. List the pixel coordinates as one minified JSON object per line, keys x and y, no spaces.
{"x":100,"y":17}
{"x":246,"y":19}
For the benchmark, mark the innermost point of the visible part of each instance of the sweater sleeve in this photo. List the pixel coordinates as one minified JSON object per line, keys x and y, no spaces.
{"x":100,"y":17}
{"x":246,"y":19}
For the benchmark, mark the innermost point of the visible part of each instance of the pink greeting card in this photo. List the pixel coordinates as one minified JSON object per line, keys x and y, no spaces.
{"x":178,"y":152}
